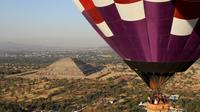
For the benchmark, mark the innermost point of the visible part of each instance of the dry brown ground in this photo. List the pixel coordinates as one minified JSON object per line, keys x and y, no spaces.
{"x":67,"y":69}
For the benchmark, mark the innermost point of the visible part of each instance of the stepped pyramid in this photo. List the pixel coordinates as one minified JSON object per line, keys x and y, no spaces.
{"x":64,"y":68}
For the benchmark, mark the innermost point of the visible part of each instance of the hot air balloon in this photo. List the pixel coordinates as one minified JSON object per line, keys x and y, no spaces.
{"x":156,"y":38}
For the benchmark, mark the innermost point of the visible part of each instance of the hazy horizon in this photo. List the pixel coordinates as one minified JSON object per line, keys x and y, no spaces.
{"x":48,"y":23}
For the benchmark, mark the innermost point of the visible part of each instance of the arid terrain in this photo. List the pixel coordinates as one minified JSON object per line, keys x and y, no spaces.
{"x":78,"y":85}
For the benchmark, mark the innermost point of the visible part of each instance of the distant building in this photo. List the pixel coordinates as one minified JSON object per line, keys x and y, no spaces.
{"x":174,"y":97}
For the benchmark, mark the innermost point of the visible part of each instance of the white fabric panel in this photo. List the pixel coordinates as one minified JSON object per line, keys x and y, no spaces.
{"x":103,"y":3}
{"x":158,"y":0}
{"x":79,"y":5}
{"x":182,"y":27}
{"x":132,"y":11}
{"x":105,"y":29}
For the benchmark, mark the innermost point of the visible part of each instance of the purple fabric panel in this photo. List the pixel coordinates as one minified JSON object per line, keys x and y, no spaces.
{"x":124,"y":43}
{"x":159,"y":17}
{"x":109,"y":13}
{"x":149,"y":40}
{"x":136,"y":32}
{"x":192,"y":45}
{"x":110,"y":40}
{"x":112,"y":18}
{"x":195,"y":55}
{"x":175,"y":48}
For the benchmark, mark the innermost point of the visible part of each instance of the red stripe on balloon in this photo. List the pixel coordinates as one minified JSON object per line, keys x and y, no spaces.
{"x":187,"y":10}
{"x":126,"y":1}
{"x":92,"y":11}
{"x":95,"y":15}
{"x":87,"y":4}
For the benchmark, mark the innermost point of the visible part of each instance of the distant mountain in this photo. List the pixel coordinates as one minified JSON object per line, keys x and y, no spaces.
{"x":11,"y":46}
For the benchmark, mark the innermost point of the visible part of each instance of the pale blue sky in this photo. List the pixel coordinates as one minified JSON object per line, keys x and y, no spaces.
{"x":48,"y":22}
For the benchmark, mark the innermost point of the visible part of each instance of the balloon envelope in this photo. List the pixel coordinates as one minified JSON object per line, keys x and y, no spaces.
{"x":156,"y":38}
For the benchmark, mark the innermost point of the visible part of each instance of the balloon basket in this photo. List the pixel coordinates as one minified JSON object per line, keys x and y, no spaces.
{"x":157,"y":107}
{"x":157,"y":102}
